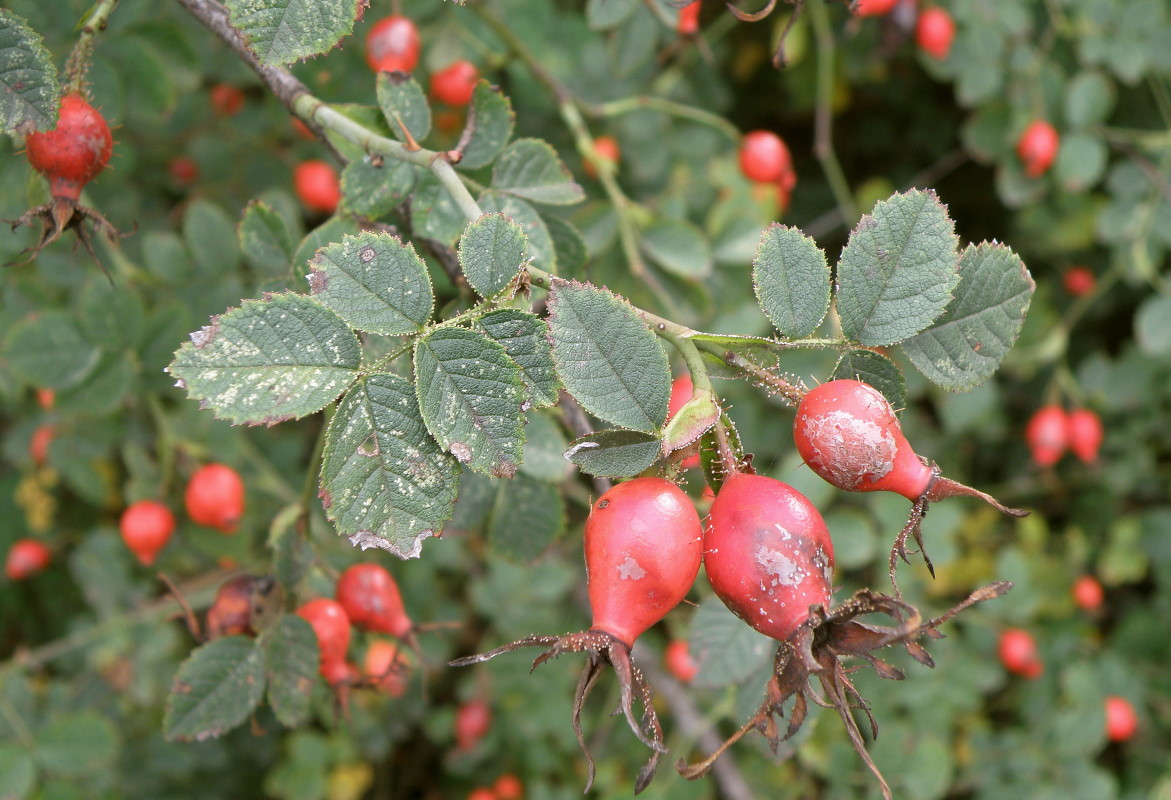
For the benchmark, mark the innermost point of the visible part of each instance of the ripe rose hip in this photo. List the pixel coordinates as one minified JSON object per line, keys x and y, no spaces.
{"x":606,"y":149}
{"x":681,"y":391}
{"x":1121,"y":719}
{"x":317,"y":186}
{"x":332,"y":627}
{"x":679,"y":661}
{"x":1078,"y":281}
{"x":183,"y":170}
{"x":934,"y":32}
{"x":1037,"y":148}
{"x":473,"y":719}
{"x":73,"y":153}
{"x":508,"y":787}
{"x":46,"y":398}
{"x":455,"y":83}
{"x":688,"y":22}
{"x":38,"y":445}
{"x":146,"y":527}
{"x":1018,"y":653}
{"x":1088,"y":594}
{"x":1084,"y":433}
{"x":372,"y":600}
{"x":874,"y":8}
{"x":215,"y":497}
{"x":387,"y":667}
{"x":393,"y":44}
{"x":226,"y":100}
{"x":26,"y":558}
{"x":764,"y":157}
{"x":481,"y":793}
{"x":1047,"y":435}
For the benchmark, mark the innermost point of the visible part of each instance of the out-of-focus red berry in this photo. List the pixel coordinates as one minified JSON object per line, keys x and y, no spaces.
{"x":146,"y":527}
{"x":508,"y":786}
{"x":472,"y":721}
{"x":38,"y":445}
{"x":935,"y":30}
{"x":688,"y":22}
{"x":317,"y":185}
{"x":215,"y":497}
{"x":764,"y":157}
{"x":183,"y":170}
{"x":1037,"y":148}
{"x":387,"y":667}
{"x":1087,"y":593}
{"x":1078,"y":281}
{"x":1121,"y":719}
{"x":455,"y":83}
{"x":226,"y":100}
{"x":679,"y":661}
{"x":1018,"y":653}
{"x":874,"y":8}
{"x":46,"y":398}
{"x":606,"y":149}
{"x":1085,"y":433}
{"x":393,"y":44}
{"x":26,"y":558}
{"x":1047,"y":435}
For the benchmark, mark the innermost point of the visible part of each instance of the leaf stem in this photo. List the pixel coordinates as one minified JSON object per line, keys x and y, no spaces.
{"x":79,"y":58}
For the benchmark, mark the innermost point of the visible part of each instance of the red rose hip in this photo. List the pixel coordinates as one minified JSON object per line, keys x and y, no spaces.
{"x":72,"y":154}
{"x":317,"y":186}
{"x":1084,"y":432}
{"x":1121,"y":719}
{"x":1037,"y":148}
{"x":393,"y":44}
{"x":215,"y":497}
{"x":372,"y":600}
{"x":332,"y":627}
{"x":455,"y":83}
{"x":146,"y":527}
{"x":26,"y":558}
{"x":935,"y":30}
{"x":764,"y":157}
{"x":1047,"y":435}
{"x":1018,"y":653}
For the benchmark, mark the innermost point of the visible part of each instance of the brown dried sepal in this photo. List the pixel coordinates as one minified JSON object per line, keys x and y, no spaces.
{"x":61,"y":215}
{"x":601,"y":649}
{"x":816,"y":649}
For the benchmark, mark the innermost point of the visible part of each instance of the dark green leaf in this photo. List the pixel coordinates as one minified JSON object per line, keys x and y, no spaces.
{"x":374,"y":282}
{"x":403,"y":103}
{"x":211,"y":238}
{"x":78,"y":744}
{"x":332,"y":230}
{"x":470,"y":393}
{"x":527,"y":516}
{"x":491,"y":119}
{"x":373,"y":191}
{"x":568,"y":244}
{"x":109,"y":316}
{"x":898,"y":270}
{"x":607,"y":357}
{"x":967,"y":344}
{"x":217,"y":687}
{"x":603,"y":15}
{"x":540,"y":241}
{"x":791,"y":279}
{"x":678,"y":247}
{"x":29,"y":94}
{"x":875,"y":369}
{"x":283,"y":31}
{"x":18,"y":773}
{"x":384,"y":481}
{"x":435,"y":215}
{"x":269,"y":360}
{"x":530,"y":168}
{"x":47,"y":350}
{"x":525,"y":338}
{"x":726,"y":649}
{"x":615,"y":453}
{"x":265,"y":239}
{"x":492,"y":250}
{"x":634,"y":44}
{"x":291,"y":658}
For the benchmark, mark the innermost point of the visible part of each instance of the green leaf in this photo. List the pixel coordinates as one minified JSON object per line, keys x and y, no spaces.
{"x":78,"y":744}
{"x":1081,"y":162}
{"x":568,"y":245}
{"x":384,"y":481}
{"x":727,"y":650}
{"x":265,"y":239}
{"x":607,"y":357}
{"x":678,"y":247}
{"x":29,"y":94}
{"x":763,"y":352}
{"x":18,"y":773}
{"x":545,"y":445}
{"x":615,"y":453}
{"x":490,"y":119}
{"x":525,"y":338}
{"x":210,"y":236}
{"x":269,"y":360}
{"x":470,"y":394}
{"x":47,"y":350}
{"x":374,"y":282}
{"x":108,"y":316}
{"x":1152,"y":325}
{"x":530,"y":168}
{"x":791,"y":279}
{"x":283,"y":31}
{"x":875,"y":369}
{"x":374,"y":190}
{"x":602,"y":15}
{"x":435,"y":215}
{"x":967,"y":344}
{"x":898,"y":269}
{"x":635,"y":43}
{"x":217,"y":687}
{"x":402,"y":100}
{"x":527,"y":516}
{"x":332,"y":230}
{"x":492,"y":250}
{"x":1089,"y":99}
{"x":540,"y":241}
{"x":291,"y":659}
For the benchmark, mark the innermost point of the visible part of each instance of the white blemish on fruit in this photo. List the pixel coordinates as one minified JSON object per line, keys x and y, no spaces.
{"x":784,"y":570}
{"x":630,"y":570}
{"x":848,"y":451}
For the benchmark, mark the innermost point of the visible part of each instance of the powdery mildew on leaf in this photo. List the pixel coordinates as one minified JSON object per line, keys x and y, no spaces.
{"x":386,"y":483}
{"x":29,"y":93}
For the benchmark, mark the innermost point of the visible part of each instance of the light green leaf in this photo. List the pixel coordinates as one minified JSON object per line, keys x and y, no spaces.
{"x":108,"y":316}
{"x":269,"y":360}
{"x":1081,"y":162}
{"x":875,"y":369}
{"x":402,"y":100}
{"x":79,"y":744}
{"x":374,"y":282}
{"x":545,"y":445}
{"x":291,"y":657}
{"x":726,"y":649}
{"x":265,"y":239}
{"x":280,"y":32}
{"x":490,"y":119}
{"x":607,"y":357}
{"x":29,"y":94}
{"x":18,"y":773}
{"x":492,"y":251}
{"x":525,"y":338}
{"x":898,"y":269}
{"x":435,"y":215}
{"x":602,"y":15}
{"x":210,"y":237}
{"x":527,"y":516}
{"x":470,"y":393}
{"x":763,"y":352}
{"x":373,"y":191}
{"x":47,"y":350}
{"x":1152,"y":325}
{"x":678,"y":247}
{"x":791,"y":279}
{"x":217,"y":687}
{"x":1089,"y":99}
{"x":530,"y":168}
{"x":615,"y":453}
{"x":967,"y":344}
{"x":540,"y":241}
{"x":384,"y":481}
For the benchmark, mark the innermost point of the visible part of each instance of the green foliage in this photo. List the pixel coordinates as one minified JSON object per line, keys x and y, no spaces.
{"x":30,"y":96}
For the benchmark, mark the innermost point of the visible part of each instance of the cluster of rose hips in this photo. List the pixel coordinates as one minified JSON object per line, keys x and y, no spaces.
{"x":1052,"y":431}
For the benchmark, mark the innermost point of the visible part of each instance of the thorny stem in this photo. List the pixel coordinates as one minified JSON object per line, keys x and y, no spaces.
{"x":823,"y":147}
{"x":79,"y":59}
{"x":792,"y":393}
